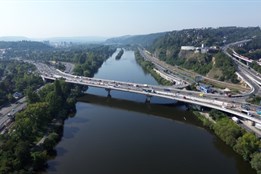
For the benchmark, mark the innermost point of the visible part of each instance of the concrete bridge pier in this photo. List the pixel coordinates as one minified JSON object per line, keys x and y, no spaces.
{"x":249,"y":122}
{"x":85,"y":88}
{"x":44,"y":80}
{"x":148,"y":99}
{"x":109,"y":92}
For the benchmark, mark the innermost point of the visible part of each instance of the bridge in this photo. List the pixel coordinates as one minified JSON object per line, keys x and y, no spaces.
{"x":240,"y":57}
{"x":208,"y":100}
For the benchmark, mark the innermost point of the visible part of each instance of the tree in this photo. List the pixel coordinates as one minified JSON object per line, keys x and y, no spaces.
{"x":57,"y":88}
{"x":246,"y":145}
{"x":10,"y":97}
{"x":39,"y":159}
{"x":32,"y":120}
{"x":54,"y":101}
{"x":31,"y":96}
{"x":51,"y":141}
{"x":256,"y":162}
{"x":216,"y":114}
{"x":22,"y":152}
{"x":228,"y":131}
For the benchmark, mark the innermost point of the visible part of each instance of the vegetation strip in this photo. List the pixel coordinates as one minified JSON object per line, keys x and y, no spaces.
{"x":30,"y":142}
{"x":244,"y":143}
{"x":148,"y":66}
{"x":118,"y":57}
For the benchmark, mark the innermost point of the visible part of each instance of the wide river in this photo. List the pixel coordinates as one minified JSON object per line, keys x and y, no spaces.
{"x":125,"y":135}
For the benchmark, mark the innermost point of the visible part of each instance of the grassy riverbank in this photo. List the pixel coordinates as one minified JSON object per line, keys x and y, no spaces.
{"x":244,"y":143}
{"x":37,"y":129}
{"x":148,"y":66}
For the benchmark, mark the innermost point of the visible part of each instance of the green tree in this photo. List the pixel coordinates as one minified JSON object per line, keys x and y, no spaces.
{"x":51,"y":141}
{"x":31,"y":96}
{"x":31,"y":121}
{"x":22,"y":152}
{"x":246,"y":145}
{"x":228,"y":131}
{"x":55,"y":102}
{"x":216,"y":114}
{"x":39,"y":159}
{"x":256,"y":162}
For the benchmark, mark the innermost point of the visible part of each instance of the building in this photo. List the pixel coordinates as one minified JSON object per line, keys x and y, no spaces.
{"x":17,"y":95}
{"x":188,"y":48}
{"x":205,"y":88}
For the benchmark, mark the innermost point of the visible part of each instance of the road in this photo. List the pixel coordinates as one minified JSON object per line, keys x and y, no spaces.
{"x":187,"y":75}
{"x":11,"y":110}
{"x":215,"y":101}
{"x":251,"y":76}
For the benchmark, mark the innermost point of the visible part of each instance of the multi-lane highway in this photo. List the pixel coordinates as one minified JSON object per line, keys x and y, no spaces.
{"x":222,"y":103}
{"x":251,"y":76}
{"x":189,"y":76}
{"x":7,"y":112}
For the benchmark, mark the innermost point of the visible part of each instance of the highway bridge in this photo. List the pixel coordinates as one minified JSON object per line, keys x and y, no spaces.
{"x":248,"y":73}
{"x":218,"y":102}
{"x":246,"y":59}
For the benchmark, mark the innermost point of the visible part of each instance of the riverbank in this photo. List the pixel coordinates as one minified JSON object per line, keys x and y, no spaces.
{"x":24,"y":150}
{"x":246,"y":144}
{"x":110,"y":135}
{"x":149,"y":67}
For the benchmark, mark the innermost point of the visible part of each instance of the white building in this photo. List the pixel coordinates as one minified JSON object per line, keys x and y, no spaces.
{"x":188,"y":48}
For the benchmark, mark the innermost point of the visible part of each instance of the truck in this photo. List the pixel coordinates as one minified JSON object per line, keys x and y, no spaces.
{"x":149,"y":90}
{"x":201,"y":94}
{"x":258,"y":126}
{"x":57,"y":76}
{"x":235,"y":119}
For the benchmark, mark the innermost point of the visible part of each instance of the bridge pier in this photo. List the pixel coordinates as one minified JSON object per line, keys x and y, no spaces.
{"x":250,"y":123}
{"x":109,"y":92}
{"x":148,"y":99}
{"x":44,"y":80}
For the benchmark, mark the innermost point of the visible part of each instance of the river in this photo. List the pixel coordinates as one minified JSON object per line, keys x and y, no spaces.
{"x":125,"y":135}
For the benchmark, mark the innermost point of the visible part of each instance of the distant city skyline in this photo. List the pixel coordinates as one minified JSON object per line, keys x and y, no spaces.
{"x":111,"y":18}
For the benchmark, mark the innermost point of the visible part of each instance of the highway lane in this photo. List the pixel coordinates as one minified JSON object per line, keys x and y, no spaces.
{"x":251,"y":76}
{"x":187,"y":75}
{"x":56,"y":73}
{"x":12,"y":110}
{"x":150,"y":90}
{"x":220,"y":102}
{"x":171,"y":89}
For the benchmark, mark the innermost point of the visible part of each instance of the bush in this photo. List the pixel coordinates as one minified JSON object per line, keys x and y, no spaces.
{"x":256,"y":162}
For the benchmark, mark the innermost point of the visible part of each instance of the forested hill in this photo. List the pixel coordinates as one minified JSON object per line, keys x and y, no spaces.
{"x":23,"y":45}
{"x":168,"y":46}
{"x":144,"y":40}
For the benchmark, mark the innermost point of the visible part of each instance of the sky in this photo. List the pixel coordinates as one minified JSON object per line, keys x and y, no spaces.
{"x":109,"y":18}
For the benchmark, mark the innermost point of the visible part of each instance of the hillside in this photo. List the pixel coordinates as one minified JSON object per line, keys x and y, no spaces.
{"x":251,"y":49}
{"x":203,"y":54}
{"x":143,"y":40}
{"x":22,"y":48}
{"x":213,"y":65}
{"x":168,"y":46}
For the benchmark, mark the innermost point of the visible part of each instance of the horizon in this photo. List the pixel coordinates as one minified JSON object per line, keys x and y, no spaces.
{"x":113,"y":18}
{"x":104,"y":37}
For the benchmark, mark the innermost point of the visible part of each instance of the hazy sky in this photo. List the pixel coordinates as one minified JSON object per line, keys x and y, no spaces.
{"x":49,"y":18}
